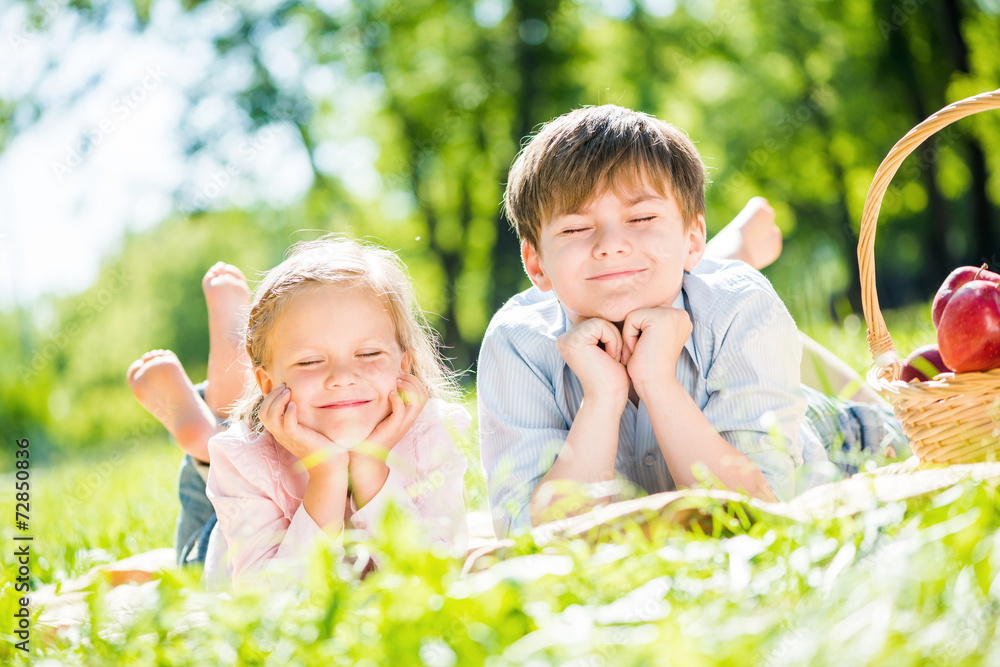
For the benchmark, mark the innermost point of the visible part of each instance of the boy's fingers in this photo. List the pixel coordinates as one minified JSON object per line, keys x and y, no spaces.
{"x":631,"y":330}
{"x":608,"y":334}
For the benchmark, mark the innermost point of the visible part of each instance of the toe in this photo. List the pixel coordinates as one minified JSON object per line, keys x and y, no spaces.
{"x":235,"y":271}
{"x":133,"y":369}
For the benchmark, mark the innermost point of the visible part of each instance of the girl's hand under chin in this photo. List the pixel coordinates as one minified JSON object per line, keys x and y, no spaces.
{"x":406,"y":403}
{"x":280,"y":417}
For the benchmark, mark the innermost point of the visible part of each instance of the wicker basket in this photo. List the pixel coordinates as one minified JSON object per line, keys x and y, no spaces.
{"x":956,"y":417}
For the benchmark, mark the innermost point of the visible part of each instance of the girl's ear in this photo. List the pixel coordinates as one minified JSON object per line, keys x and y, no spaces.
{"x":264,"y":381}
{"x":404,"y":364}
{"x":695,"y":243}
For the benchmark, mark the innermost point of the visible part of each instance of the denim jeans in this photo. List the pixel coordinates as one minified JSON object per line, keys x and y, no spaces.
{"x":853,"y":432}
{"x":196,"y":513}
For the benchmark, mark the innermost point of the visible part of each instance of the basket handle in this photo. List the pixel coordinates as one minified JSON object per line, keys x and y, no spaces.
{"x":879,"y":341}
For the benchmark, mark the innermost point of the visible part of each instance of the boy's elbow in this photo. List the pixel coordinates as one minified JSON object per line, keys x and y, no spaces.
{"x":558,"y":499}
{"x":760,"y":489}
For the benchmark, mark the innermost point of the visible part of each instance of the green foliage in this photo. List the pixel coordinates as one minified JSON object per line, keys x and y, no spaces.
{"x":63,"y":381}
{"x":423,"y":106}
{"x":903,"y":583}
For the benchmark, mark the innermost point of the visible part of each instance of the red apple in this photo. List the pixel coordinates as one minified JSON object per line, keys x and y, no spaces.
{"x":956,"y":279}
{"x":969,"y":331}
{"x":923,"y":364}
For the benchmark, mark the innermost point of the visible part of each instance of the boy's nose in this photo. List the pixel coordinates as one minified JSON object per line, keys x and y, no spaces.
{"x":609,"y":239}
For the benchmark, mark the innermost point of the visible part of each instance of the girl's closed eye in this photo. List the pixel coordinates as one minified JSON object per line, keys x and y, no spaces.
{"x":370,"y":355}
{"x":307,"y":362}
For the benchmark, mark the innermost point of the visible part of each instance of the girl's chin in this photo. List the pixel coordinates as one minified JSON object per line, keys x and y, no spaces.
{"x":348,"y":439}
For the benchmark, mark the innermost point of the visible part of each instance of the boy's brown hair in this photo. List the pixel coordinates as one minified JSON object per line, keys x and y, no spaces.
{"x":584,"y":152}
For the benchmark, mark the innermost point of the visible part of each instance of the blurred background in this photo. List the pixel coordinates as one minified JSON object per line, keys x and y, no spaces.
{"x":140,"y":142}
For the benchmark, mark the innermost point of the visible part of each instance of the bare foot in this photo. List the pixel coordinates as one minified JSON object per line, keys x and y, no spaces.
{"x":160,"y":384}
{"x":228,"y":298}
{"x":751,"y":237}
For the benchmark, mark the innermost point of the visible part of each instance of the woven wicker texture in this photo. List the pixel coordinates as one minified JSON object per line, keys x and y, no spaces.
{"x":955,"y":418}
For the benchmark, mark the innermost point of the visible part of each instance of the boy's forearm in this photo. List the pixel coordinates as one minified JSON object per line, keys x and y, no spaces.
{"x":587,"y":456}
{"x":686,"y":438}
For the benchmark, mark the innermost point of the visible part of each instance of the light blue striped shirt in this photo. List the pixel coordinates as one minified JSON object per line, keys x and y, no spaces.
{"x":741,"y":365}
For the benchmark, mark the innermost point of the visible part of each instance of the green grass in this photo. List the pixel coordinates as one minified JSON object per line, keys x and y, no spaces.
{"x":909,"y":328}
{"x":904,"y":583}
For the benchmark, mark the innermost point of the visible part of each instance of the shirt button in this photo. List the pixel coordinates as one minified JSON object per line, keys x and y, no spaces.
{"x":648,"y":459}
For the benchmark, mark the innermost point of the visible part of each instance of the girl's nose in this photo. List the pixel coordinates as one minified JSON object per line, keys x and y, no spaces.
{"x":341,"y":373}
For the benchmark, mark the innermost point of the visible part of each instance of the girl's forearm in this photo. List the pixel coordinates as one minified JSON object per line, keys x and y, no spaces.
{"x":686,"y":438}
{"x":326,"y":495}
{"x":368,"y":474}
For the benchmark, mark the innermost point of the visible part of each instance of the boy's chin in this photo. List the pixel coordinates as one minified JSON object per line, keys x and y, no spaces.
{"x":613,"y":312}
{"x":614,"y":315}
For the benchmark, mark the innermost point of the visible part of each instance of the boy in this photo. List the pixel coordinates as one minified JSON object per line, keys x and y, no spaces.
{"x":633,"y":357}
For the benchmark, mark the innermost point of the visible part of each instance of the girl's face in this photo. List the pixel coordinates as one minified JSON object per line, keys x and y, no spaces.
{"x":335,"y":349}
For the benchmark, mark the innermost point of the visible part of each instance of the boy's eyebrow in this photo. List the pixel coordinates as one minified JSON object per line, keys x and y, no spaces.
{"x":631,"y":201}
{"x":642,"y":197}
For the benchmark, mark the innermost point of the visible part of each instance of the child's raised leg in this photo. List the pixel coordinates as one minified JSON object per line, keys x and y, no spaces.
{"x":751,"y":237}
{"x":825,"y":372}
{"x":227,"y":296}
{"x":160,"y":384}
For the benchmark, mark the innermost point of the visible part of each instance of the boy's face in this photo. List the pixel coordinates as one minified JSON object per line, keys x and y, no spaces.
{"x":615,"y":255}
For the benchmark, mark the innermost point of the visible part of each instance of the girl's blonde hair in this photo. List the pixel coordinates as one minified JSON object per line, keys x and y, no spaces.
{"x":348,"y":263}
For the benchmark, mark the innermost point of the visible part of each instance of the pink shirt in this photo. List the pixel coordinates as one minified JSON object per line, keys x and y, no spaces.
{"x":257,"y":487}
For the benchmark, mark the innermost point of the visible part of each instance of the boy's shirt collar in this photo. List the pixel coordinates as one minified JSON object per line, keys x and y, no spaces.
{"x":681,"y":303}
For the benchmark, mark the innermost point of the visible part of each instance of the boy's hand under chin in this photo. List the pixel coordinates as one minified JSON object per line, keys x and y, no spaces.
{"x":652,"y":342}
{"x":600,"y":370}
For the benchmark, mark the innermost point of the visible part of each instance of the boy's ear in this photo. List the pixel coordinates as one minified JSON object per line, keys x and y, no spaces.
{"x":695,"y":243}
{"x":264,"y":381}
{"x":533,"y":267}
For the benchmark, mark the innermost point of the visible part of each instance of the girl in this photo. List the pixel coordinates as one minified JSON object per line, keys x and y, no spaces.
{"x":347,"y":411}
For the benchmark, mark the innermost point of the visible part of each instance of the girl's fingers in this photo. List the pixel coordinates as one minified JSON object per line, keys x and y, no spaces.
{"x":413,"y":392}
{"x":291,"y":418}
{"x":273,"y":407}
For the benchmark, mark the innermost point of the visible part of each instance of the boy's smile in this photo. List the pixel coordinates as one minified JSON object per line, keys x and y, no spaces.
{"x":615,"y":255}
